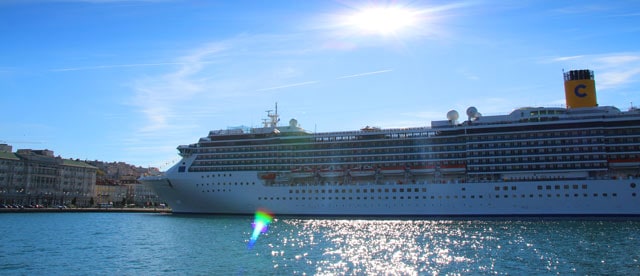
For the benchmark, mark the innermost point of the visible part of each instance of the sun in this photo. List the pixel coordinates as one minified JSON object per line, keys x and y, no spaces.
{"x":381,"y":20}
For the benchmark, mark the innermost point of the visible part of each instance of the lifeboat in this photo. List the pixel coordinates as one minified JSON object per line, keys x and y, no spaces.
{"x":618,"y":163}
{"x":392,"y":170}
{"x":267,"y":176}
{"x":331,"y":172}
{"x":457,"y":168}
{"x":362,"y":171}
{"x":302,"y":172}
{"x":417,"y":170}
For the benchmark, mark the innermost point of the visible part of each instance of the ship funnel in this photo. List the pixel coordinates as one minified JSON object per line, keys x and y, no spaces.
{"x":580,"y":89}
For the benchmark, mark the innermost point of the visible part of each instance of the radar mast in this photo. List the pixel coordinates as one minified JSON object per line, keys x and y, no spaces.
{"x":273,"y":120}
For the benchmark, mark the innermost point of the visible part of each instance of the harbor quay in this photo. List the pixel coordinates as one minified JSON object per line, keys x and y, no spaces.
{"x":86,"y":210}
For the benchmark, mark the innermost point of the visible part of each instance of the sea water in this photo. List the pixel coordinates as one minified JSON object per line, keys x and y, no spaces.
{"x":156,"y":244}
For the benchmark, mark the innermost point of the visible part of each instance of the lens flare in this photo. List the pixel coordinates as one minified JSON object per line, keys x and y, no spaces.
{"x":260,"y":225}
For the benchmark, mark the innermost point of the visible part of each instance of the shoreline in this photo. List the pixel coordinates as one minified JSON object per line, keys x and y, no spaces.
{"x":86,"y":210}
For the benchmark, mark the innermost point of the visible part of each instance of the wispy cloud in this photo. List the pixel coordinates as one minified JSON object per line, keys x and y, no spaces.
{"x":613,"y":70}
{"x":287,"y":86}
{"x":568,"y":58}
{"x":158,"y":97}
{"x":365,"y":74}
{"x":98,"y":67}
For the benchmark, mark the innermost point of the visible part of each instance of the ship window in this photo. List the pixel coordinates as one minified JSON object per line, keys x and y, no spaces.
{"x":584,"y":186}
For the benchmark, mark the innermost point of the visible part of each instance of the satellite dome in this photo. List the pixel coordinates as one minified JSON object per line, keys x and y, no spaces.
{"x":293,"y":123}
{"x":452,"y":115}
{"x":472,"y":112}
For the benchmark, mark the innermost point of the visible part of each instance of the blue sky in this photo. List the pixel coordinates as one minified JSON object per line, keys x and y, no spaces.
{"x":118,"y":80}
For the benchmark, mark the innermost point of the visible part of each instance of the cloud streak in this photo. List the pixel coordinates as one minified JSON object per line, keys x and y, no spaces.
{"x":613,"y":70}
{"x":365,"y":74}
{"x":287,"y":86}
{"x":99,"y":67}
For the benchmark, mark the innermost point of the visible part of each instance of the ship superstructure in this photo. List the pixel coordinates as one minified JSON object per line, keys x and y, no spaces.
{"x":579,"y":160}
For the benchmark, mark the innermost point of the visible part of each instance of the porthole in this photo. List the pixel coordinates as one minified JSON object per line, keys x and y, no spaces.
{"x":633,"y":185}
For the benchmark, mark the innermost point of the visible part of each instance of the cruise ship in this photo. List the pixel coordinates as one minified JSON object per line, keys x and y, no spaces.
{"x":536,"y":161}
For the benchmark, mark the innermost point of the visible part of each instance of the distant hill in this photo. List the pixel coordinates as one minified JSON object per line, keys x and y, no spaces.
{"x":115,"y":173}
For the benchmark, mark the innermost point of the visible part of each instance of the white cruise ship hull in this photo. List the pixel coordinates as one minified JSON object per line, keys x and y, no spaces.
{"x":579,"y":160}
{"x":244,"y":193}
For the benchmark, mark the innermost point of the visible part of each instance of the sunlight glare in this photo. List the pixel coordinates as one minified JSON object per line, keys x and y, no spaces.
{"x":383,"y":20}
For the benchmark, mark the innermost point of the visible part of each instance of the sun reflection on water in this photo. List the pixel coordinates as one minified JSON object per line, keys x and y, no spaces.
{"x":404,"y":247}
{"x":337,"y":246}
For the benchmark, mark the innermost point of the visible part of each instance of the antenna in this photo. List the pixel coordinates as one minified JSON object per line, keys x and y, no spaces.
{"x":273,"y":118}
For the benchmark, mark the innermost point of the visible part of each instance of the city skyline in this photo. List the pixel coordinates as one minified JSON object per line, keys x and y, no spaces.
{"x":129,"y":81}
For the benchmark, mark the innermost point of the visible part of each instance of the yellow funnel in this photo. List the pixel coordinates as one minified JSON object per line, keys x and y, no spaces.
{"x":580,"y":89}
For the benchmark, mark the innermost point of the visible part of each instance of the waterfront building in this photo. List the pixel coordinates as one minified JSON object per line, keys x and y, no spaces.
{"x":125,"y":193}
{"x":30,"y":177}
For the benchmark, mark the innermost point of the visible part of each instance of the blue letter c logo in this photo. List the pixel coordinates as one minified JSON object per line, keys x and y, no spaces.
{"x":577,"y":90}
